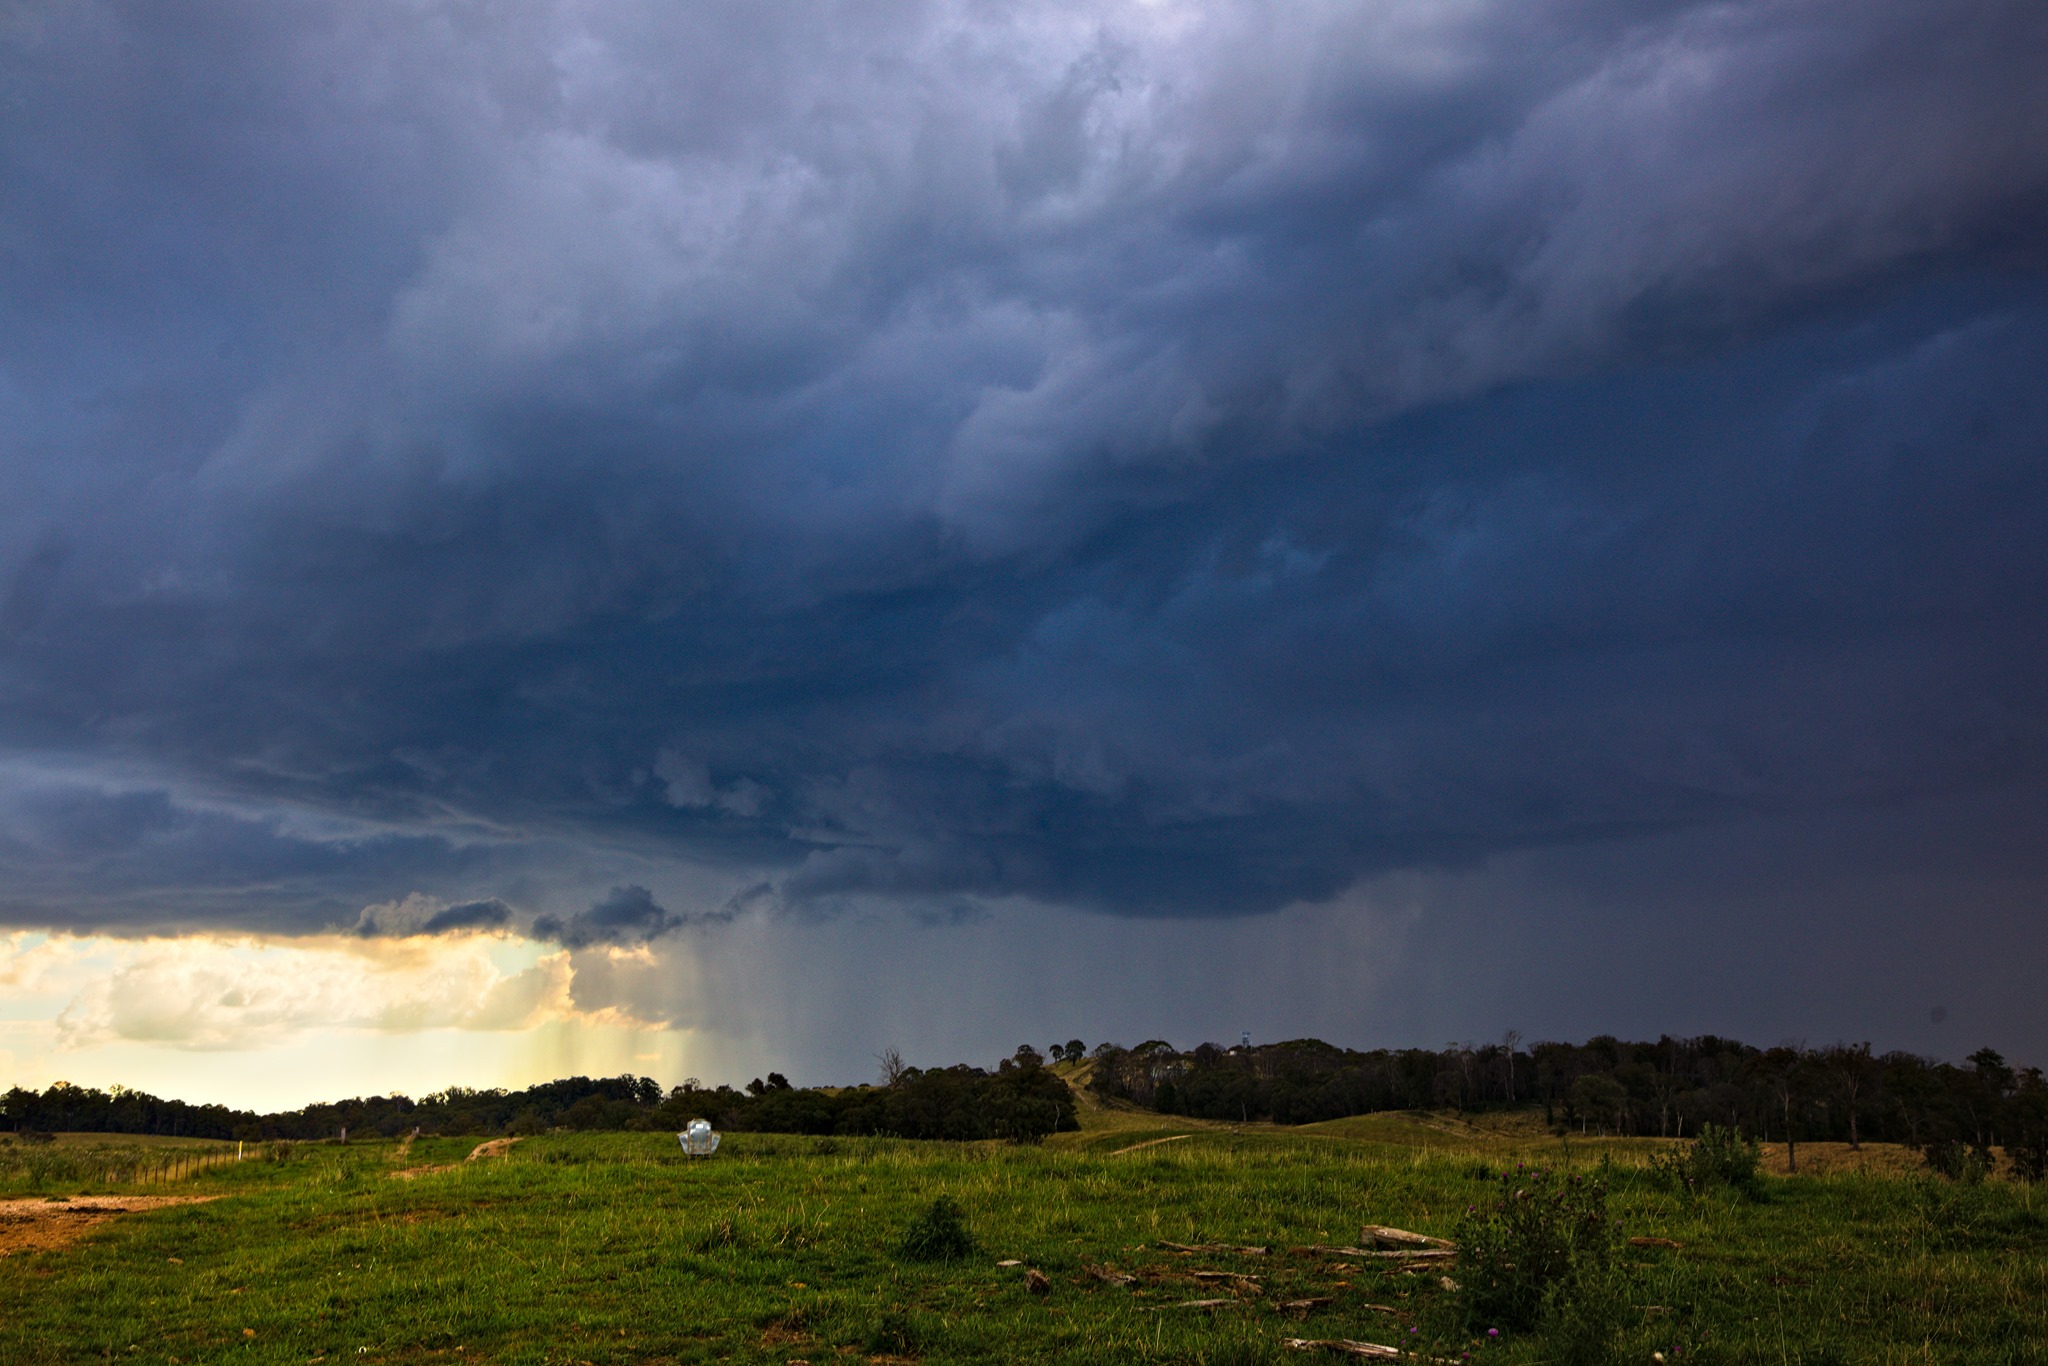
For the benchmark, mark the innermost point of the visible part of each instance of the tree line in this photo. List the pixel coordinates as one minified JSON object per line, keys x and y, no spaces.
{"x":1020,"y":1099}
{"x":1669,"y":1088}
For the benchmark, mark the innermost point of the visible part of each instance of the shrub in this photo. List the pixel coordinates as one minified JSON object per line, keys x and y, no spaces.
{"x":938,"y":1233}
{"x":1543,"y":1250}
{"x":1718,"y":1157}
{"x":1957,"y":1160}
{"x":2029,"y":1159}
{"x":2026,"y":1131}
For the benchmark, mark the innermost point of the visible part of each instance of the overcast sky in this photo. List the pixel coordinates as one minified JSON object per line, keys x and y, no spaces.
{"x":701,"y":538}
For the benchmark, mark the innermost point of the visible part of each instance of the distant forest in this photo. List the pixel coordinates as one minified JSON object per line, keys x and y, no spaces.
{"x":1668,"y":1088}
{"x":1021,"y":1099}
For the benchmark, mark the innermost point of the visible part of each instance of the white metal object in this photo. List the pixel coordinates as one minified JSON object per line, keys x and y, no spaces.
{"x":697,"y":1138}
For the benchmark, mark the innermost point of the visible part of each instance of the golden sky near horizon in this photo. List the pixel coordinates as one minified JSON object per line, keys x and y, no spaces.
{"x":272,"y":1023}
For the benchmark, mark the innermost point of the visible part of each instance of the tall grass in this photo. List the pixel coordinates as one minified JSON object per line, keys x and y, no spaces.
{"x":85,"y":1168}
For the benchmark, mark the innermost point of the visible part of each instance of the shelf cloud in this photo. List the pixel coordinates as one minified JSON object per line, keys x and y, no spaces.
{"x":1149,"y":459}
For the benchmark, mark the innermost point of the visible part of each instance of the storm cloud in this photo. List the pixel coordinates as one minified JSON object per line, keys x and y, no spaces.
{"x":1154,"y":459}
{"x":628,"y":915}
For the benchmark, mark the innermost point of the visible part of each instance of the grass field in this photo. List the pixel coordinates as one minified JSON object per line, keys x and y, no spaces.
{"x":613,"y":1248}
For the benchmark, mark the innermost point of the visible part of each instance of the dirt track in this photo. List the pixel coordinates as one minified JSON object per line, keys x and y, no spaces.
{"x":35,"y":1224}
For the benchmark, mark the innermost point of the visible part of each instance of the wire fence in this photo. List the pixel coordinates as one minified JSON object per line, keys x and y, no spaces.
{"x":36,"y":1167}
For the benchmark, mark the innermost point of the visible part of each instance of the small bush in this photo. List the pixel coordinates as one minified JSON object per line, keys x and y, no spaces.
{"x":1718,"y":1157}
{"x":1543,"y":1250}
{"x":938,"y":1233}
{"x":1958,"y":1161}
{"x":2029,"y":1160}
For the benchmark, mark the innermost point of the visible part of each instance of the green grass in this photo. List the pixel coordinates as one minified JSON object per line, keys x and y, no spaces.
{"x":615,"y":1249}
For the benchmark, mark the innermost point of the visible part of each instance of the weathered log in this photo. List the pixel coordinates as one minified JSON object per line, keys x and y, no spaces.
{"x":1214,"y":1247}
{"x":1409,"y":1254}
{"x":1379,"y":1235}
{"x":1345,"y":1345}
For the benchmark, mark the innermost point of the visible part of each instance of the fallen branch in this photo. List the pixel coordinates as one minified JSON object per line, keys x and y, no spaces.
{"x":1344,"y":1345}
{"x":1303,"y":1306}
{"x":1654,"y":1242}
{"x":1222,"y":1276}
{"x":1214,"y":1247}
{"x":1103,"y":1273}
{"x":1195,"y":1304}
{"x":1379,"y":1235}
{"x":1433,"y":1254}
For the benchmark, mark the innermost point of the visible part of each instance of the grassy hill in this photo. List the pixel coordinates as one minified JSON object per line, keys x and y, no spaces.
{"x":614,"y":1249}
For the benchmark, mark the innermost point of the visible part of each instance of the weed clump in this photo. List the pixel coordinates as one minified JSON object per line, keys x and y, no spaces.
{"x":897,"y":1333}
{"x":725,"y":1232}
{"x":1718,"y":1157}
{"x":1543,"y":1254}
{"x":938,"y":1233}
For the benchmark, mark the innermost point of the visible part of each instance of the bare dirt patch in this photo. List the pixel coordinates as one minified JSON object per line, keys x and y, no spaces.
{"x":37,"y":1224}
{"x":497,"y":1147}
{"x":408,"y":1173}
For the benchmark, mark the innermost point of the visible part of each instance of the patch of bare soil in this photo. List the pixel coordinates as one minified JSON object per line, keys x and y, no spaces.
{"x":36,"y":1224}
{"x":408,"y":1173}
{"x":497,"y":1147}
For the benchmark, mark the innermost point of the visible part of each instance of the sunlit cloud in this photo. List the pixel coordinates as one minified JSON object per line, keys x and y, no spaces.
{"x":247,"y":992}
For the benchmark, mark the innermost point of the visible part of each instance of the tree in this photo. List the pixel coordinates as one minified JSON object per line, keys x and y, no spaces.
{"x":1993,"y":1083}
{"x":1598,"y":1099}
{"x":890,"y":1061}
{"x":1786,"y":1070}
{"x":1848,"y":1071}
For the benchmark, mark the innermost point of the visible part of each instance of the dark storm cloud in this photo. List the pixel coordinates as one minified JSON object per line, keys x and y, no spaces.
{"x":1162,"y":458}
{"x":425,"y":916}
{"x":85,"y":852}
{"x":627,"y":915}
